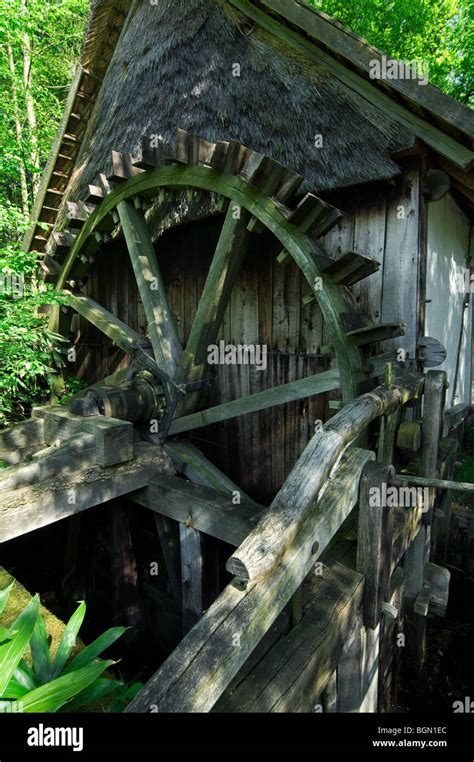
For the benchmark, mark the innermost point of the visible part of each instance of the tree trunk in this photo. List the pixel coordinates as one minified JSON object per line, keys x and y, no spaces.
{"x":30,"y":106}
{"x":18,"y":130}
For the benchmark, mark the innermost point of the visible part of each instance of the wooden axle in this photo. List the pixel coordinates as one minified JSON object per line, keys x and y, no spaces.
{"x":138,"y":400}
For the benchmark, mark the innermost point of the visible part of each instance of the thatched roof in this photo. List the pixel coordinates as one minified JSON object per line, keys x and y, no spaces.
{"x":149,"y":66}
{"x":173,"y":67}
{"x":103,"y":16}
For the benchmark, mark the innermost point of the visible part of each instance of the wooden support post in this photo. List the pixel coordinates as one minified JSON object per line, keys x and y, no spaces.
{"x":388,"y":432}
{"x":390,"y":657}
{"x":442,"y":527}
{"x":191,"y":576}
{"x":432,"y":429}
{"x":418,"y":553}
{"x":414,"y":565}
{"x":124,"y":569}
{"x":374,"y":541}
{"x":170,"y":554}
{"x":349,"y":672}
{"x":370,"y":666}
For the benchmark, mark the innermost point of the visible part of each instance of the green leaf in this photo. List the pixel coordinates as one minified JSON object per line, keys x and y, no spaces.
{"x":6,"y":634}
{"x":40,"y":651}
{"x":50,"y":697}
{"x":94,"y":649}
{"x":12,"y":651}
{"x":4,"y":596}
{"x":15,"y":689}
{"x":68,"y":639}
{"x":25,"y":675}
{"x":97,"y":690}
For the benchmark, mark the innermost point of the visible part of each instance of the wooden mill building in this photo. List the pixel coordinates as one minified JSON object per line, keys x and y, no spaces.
{"x":227,"y":174}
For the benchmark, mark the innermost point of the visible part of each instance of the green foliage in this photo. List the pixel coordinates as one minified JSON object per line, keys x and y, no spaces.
{"x":70,"y":388}
{"x":41,"y":39}
{"x":55,"y":30}
{"x":31,"y":354}
{"x":51,"y":684}
{"x":440,"y":32}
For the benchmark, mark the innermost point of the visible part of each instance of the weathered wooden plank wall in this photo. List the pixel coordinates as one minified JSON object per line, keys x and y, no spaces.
{"x":383,"y":223}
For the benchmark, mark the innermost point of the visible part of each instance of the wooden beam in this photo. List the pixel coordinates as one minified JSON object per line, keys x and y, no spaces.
{"x":424,"y":481}
{"x":454,"y":416}
{"x":432,"y":429}
{"x":260,"y":552}
{"x":223,"y":272}
{"x":370,"y":334}
{"x":81,"y":451}
{"x":202,"y":508}
{"x":444,"y":144}
{"x":374,"y":542}
{"x":244,"y":616}
{"x":279,"y":395}
{"x":191,"y":576}
{"x":25,"y":434}
{"x":327,"y":33}
{"x":113,"y":438}
{"x":25,"y":509}
{"x":122,"y":335}
{"x":297,"y":669}
{"x":161,"y":323}
{"x":53,"y":157}
{"x":190,"y":461}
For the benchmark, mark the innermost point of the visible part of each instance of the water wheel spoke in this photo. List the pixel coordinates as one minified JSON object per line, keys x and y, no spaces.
{"x":253,"y":403}
{"x":131,"y":342}
{"x":161,"y":323}
{"x":223,"y":272}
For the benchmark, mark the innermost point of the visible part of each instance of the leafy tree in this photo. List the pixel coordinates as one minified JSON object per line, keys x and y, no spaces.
{"x":440,"y":32}
{"x":39,"y":47}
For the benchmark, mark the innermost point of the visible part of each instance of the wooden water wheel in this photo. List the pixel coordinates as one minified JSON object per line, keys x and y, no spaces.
{"x":255,"y":192}
{"x":164,"y":393}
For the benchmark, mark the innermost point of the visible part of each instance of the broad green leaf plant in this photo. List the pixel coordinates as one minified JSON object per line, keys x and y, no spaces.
{"x":51,"y":684}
